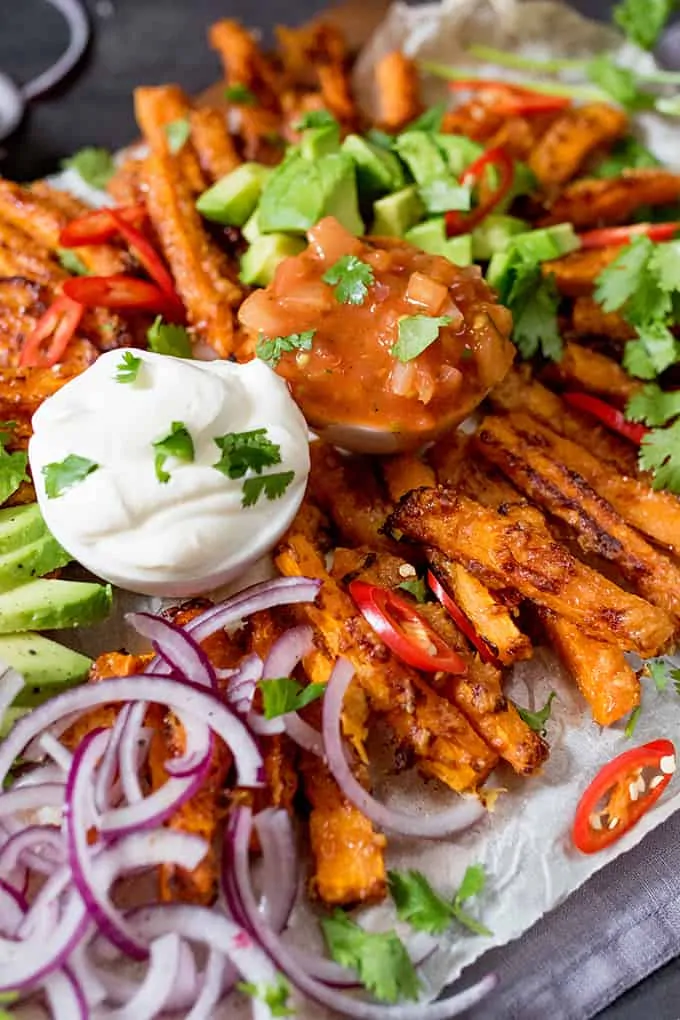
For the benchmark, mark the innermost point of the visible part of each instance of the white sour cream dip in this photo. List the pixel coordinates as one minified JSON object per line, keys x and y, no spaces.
{"x":190,"y":533}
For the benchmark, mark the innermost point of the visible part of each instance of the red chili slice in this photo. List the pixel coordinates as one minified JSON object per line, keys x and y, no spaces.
{"x":47,"y":342}
{"x":629,"y":795}
{"x":119,"y":291}
{"x":622,"y":235}
{"x":404,"y":630}
{"x":512,"y":100}
{"x":146,"y":255}
{"x":461,"y":621}
{"x":99,"y":226}
{"x":610,"y":416}
{"x":461,"y":223}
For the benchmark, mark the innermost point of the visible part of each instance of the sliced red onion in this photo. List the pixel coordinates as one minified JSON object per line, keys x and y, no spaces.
{"x":176,"y":646}
{"x":34,"y":751}
{"x":39,"y":846}
{"x":420,"y":946}
{"x":87,"y":976}
{"x":56,"y":750}
{"x":211,"y":989}
{"x":425,"y":826}
{"x":287,"y":651}
{"x":32,"y":798}
{"x":128,"y":764}
{"x":181,"y":697}
{"x":282,"y":591}
{"x":241,"y":687}
{"x":13,"y":907}
{"x":66,"y":997}
{"x":11,"y":682}
{"x":281,"y":956}
{"x":304,"y":735}
{"x":79,"y":35}
{"x":155,"y":991}
{"x":34,"y":958}
{"x":104,"y":781}
{"x":279,"y":866}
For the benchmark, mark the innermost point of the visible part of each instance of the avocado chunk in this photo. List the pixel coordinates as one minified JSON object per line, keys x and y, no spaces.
{"x":259,"y":262}
{"x":53,"y":605}
{"x":320,"y":141}
{"x":495,"y":234}
{"x":46,"y":666}
{"x":234,"y":197}
{"x":300,"y":192}
{"x":378,"y":170}
{"x":394,"y":214}
{"x":32,"y":560}
{"x":546,"y":243}
{"x":251,"y":228}
{"x":500,"y":265}
{"x":20,"y":525}
{"x":458,"y":151}
{"x":430,"y":235}
{"x":422,"y":156}
{"x":459,"y":250}
{"x":12,"y":715}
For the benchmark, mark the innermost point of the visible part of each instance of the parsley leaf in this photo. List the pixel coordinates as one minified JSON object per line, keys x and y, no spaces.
{"x":653,"y":406}
{"x":380,"y":960}
{"x":283,"y":694}
{"x":177,"y":133}
{"x":274,"y":996}
{"x":537,"y":720}
{"x":273,"y":486}
{"x":660,"y":453}
{"x":418,"y":903}
{"x":165,"y":338}
{"x":643,"y":20}
{"x":178,"y":443}
{"x":315,"y":119}
{"x":430,"y":120}
{"x":626,"y":154}
{"x":619,"y":82}
{"x":246,"y":451}
{"x":416,"y":334}
{"x":241,"y":94}
{"x":441,"y":196}
{"x":95,"y":166}
{"x":632,"y":722}
{"x":351,"y":278}
{"x":128,"y":368}
{"x":417,"y":588}
{"x":71,"y":262}
{"x":271,"y":350}
{"x":62,"y":475}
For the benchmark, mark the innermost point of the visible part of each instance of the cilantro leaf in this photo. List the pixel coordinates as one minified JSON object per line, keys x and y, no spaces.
{"x":534,"y":302}
{"x":351,"y":278}
{"x":62,"y":475}
{"x":632,"y":722}
{"x":272,"y":350}
{"x":474,"y":882}
{"x":653,"y":406}
{"x":430,"y":120}
{"x":655,"y":350}
{"x":418,"y":903}
{"x":619,"y":82}
{"x":643,"y":20}
{"x":665,"y":263}
{"x":380,"y":960}
{"x":441,"y":196}
{"x":283,"y":694}
{"x":416,"y":334}
{"x":537,"y":720}
{"x":71,"y":262}
{"x":315,"y":119}
{"x":275,"y":996}
{"x":166,"y":338}
{"x":246,"y":451}
{"x":626,"y":154}
{"x":380,"y":138}
{"x":660,"y":454}
{"x":273,"y":486}
{"x":94,"y":165}
{"x":619,"y":281}
{"x":12,"y":471}
{"x":416,"y":587}
{"x":662,"y":672}
{"x":241,"y":94}
{"x":7,"y":429}
{"x":128,"y":368}
{"x":178,"y":443}
{"x":177,"y":133}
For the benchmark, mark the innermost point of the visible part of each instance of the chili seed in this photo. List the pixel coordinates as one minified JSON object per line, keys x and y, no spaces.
{"x":613,"y":822}
{"x":667,"y":764}
{"x":656,"y":781}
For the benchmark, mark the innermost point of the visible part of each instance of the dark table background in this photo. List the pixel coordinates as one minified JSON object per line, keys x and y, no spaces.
{"x":152,"y":41}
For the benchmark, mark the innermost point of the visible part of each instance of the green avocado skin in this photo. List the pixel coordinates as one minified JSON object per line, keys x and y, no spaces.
{"x":47,"y":667}
{"x":53,"y":605}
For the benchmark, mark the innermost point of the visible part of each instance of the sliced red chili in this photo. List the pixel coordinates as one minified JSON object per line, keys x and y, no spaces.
{"x":488,"y":196}
{"x":147,"y":256}
{"x":46,"y":343}
{"x":119,"y":291}
{"x":461,"y":621}
{"x":99,"y":226}
{"x":403,"y":630}
{"x":511,"y":100}
{"x":622,"y":235}
{"x":610,"y":416}
{"x":621,"y":793}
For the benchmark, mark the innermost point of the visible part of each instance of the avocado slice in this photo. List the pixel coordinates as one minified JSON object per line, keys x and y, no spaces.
{"x":32,"y":560}
{"x":12,"y":715}
{"x":234,"y":197}
{"x":378,"y":170}
{"x":458,"y":151}
{"x":395,"y":214}
{"x":20,"y":525}
{"x":46,"y":666}
{"x":300,"y":192}
{"x":251,"y":228}
{"x":320,"y":141}
{"x":459,"y":250}
{"x":53,"y":605}
{"x":422,"y":156}
{"x":430,"y":235}
{"x":495,"y":233}
{"x":259,"y":262}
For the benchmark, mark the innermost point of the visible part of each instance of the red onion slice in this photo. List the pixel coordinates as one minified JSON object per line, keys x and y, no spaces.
{"x":41,"y":847}
{"x":59,"y":754}
{"x":279,"y":866}
{"x":32,"y":798}
{"x":13,"y":907}
{"x":287,"y":651}
{"x":211,"y":989}
{"x":11,"y":682}
{"x":65,"y":996}
{"x":156,"y":989}
{"x":79,"y":36}
{"x":304,"y":735}
{"x":176,"y":646}
{"x":425,"y":826}
{"x":103,"y":789}
{"x":128,"y":765}
{"x":283,"y":591}
{"x":242,"y":685}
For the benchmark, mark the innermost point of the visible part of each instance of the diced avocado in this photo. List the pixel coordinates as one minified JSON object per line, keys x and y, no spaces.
{"x":10,"y":717}
{"x":259,"y":262}
{"x":378,"y":170}
{"x":31,"y":560}
{"x":300,"y":192}
{"x":430,"y":235}
{"x":251,"y":228}
{"x":394,"y":214}
{"x":422,"y":156}
{"x":458,"y":151}
{"x":343,"y":200}
{"x":320,"y":141}
{"x":234,"y":197}
{"x":20,"y":525}
{"x":498,"y":267}
{"x":53,"y":605}
{"x":546,"y":243}
{"x":45,"y":665}
{"x":495,"y":234}
{"x":459,"y":250}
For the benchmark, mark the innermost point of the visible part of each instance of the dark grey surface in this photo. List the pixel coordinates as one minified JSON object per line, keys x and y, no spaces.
{"x":149,"y":41}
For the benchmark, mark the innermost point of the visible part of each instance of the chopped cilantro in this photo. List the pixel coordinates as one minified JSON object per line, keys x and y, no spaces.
{"x":351,"y":278}
{"x":271,"y":350}
{"x":177,"y":133}
{"x":128,"y":368}
{"x":643,"y":20}
{"x":430,"y":120}
{"x":660,"y":453}
{"x":537,"y":720}
{"x":632,"y":721}
{"x":380,"y":960}
{"x":275,"y":996}
{"x":380,"y":138}
{"x":424,"y":909}
{"x":315,"y":119}
{"x":417,"y":588}
{"x":241,"y":94}
{"x":665,"y":264}
{"x":626,"y":154}
{"x":662,"y":672}
{"x":166,"y":338}
{"x":441,"y":196}
{"x":474,"y":883}
{"x":273,"y":486}
{"x":12,"y":469}
{"x":178,"y":443}
{"x":621,"y":279}
{"x":283,"y":694}
{"x":655,"y":350}
{"x":71,"y":262}
{"x":534,"y":301}
{"x":62,"y":475}
{"x":653,"y":406}
{"x":246,"y":451}
{"x":416,"y":334}
{"x":95,"y":166}
{"x":619,"y":82}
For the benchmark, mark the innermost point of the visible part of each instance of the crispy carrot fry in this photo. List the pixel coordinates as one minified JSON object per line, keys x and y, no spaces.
{"x":569,"y":141}
{"x":304,"y":48}
{"x":396,"y":78}
{"x":318,"y":666}
{"x":243,"y":61}
{"x":125,"y":187}
{"x":214,"y":145}
{"x":597,"y":202}
{"x":589,"y":319}
{"x":156,"y":108}
{"x":404,"y":472}
{"x":584,"y":369}
{"x":336,"y":92}
{"x":575,"y":274}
